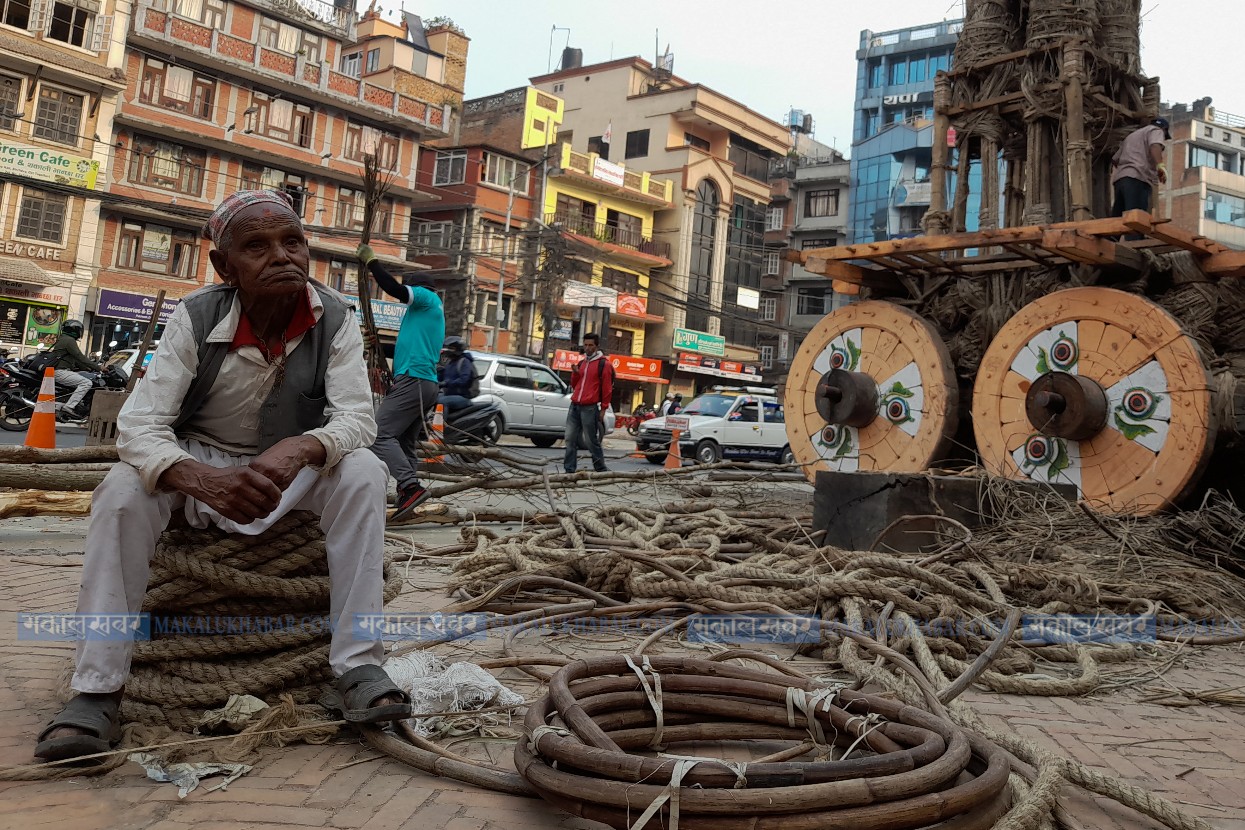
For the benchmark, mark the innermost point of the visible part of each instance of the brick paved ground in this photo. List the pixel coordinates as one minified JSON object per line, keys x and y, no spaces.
{"x":1194,"y":756}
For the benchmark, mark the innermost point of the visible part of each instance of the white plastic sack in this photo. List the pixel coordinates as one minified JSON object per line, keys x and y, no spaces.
{"x":436,"y":688}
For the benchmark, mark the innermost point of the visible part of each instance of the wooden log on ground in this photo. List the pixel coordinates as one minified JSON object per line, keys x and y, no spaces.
{"x":49,"y":477}
{"x":70,"y":455}
{"x":38,"y":503}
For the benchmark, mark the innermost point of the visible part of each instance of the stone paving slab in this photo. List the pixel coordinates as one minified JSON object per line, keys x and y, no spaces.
{"x":1194,"y":756}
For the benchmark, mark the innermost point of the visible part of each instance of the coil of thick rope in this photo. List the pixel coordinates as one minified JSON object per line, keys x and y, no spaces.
{"x":692,"y":558}
{"x":201,"y":581}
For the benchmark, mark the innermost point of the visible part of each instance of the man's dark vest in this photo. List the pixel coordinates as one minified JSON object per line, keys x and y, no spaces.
{"x":297,"y":403}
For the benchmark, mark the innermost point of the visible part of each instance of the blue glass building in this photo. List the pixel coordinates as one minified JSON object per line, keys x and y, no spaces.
{"x":893,"y":131}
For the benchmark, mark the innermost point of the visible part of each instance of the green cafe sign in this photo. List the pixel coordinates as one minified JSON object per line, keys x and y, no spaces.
{"x":687,"y":340}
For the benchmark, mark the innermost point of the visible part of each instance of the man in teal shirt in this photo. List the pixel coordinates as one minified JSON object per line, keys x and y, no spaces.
{"x":404,"y":411}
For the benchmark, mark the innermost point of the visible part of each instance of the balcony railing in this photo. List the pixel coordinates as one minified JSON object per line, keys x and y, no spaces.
{"x":173,"y":29}
{"x":633,"y":181}
{"x":605,"y":232}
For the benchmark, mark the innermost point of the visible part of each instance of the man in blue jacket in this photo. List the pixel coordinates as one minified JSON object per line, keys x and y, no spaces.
{"x":459,"y":380}
{"x":403,"y":413}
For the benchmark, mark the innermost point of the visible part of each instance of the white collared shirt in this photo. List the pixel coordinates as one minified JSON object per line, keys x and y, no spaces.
{"x":229,"y":416}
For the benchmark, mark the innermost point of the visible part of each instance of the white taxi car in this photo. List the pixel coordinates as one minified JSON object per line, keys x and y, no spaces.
{"x":741,"y":423}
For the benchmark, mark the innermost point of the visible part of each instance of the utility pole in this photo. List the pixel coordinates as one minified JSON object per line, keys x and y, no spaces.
{"x":501,"y":270}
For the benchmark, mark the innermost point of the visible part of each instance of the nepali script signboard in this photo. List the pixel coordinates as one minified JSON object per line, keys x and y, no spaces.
{"x":48,"y":165}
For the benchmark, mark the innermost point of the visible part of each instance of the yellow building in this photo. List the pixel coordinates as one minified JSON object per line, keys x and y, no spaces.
{"x":605,"y":213}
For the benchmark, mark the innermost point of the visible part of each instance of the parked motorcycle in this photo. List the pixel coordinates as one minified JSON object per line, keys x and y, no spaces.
{"x":19,"y":389}
{"x":637,"y":418}
{"x":479,"y":424}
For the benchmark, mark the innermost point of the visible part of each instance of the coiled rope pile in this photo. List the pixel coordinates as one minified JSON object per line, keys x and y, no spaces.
{"x":938,"y":625}
{"x":202,"y":580}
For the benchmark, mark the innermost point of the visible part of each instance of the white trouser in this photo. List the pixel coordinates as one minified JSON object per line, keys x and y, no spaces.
{"x":80,"y":383}
{"x":126,"y":523}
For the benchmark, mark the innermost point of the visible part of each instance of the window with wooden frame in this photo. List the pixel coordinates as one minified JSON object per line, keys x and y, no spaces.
{"x":255,"y":177}
{"x":177,"y":88}
{"x":450,"y":168}
{"x":349,"y":213}
{"x":75,"y":22}
{"x":158,"y":249}
{"x":769,"y":308}
{"x":821,"y":203}
{"x":282,"y":120}
{"x":15,"y":13}
{"x":10,"y":101}
{"x":58,"y":116}
{"x":210,"y":13}
{"x":168,"y":166}
{"x":506,"y":172}
{"x":621,"y":281}
{"x":42,"y":216}
{"x":344,"y":276}
{"x":363,"y":141}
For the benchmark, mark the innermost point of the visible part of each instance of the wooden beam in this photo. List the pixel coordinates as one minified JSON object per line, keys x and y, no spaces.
{"x":1090,"y":249}
{"x":848,"y":288}
{"x":1226,"y":264}
{"x":1142,"y":222}
{"x":846,"y":272}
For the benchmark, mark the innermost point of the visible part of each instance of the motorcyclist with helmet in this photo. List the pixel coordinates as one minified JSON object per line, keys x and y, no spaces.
{"x":457,"y":375}
{"x":68,"y":360}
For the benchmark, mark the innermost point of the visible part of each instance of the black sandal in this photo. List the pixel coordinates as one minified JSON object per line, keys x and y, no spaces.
{"x":358,"y":689}
{"x":95,"y":713}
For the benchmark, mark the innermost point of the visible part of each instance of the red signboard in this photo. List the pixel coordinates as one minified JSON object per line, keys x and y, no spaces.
{"x":701,"y":365}
{"x":564,"y":360}
{"x":626,"y":367}
{"x":636,"y":368}
{"x":632,"y":305}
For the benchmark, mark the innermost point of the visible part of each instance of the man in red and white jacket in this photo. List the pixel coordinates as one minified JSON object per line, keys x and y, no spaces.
{"x":592,"y":388}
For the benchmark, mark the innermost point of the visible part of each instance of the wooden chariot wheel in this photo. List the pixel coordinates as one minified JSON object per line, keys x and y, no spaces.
{"x":871,"y":388}
{"x":1099,"y":389}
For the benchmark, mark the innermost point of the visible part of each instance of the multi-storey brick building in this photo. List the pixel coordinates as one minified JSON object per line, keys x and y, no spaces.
{"x":487,"y":180}
{"x":716,"y":152}
{"x":224,"y":96}
{"x":1205,"y":190}
{"x":60,"y":75}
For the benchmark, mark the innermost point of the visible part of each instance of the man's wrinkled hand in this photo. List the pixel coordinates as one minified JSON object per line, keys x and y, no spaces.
{"x":240,"y":494}
{"x":287,"y":458}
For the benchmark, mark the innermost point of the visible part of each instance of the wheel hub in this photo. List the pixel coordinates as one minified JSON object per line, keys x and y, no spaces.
{"x":847,"y":398}
{"x":1064,"y":405}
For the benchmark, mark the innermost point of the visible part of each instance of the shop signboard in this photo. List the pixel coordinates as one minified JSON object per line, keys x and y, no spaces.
{"x":12,"y":321}
{"x":632,"y":305}
{"x":608,"y":172}
{"x":729,"y":369}
{"x":388,"y":316}
{"x":642,"y":369}
{"x":50,"y":294}
{"x":44,"y":165}
{"x":688,"y":340}
{"x":748,"y":298}
{"x":124,"y":305}
{"x":43,"y":325}
{"x":585,"y":295}
{"x":561,"y":330}
{"x":564,"y":359}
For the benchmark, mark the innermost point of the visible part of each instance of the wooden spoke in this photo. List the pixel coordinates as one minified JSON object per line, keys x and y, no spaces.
{"x":1160,"y":427}
{"x":917,"y":396}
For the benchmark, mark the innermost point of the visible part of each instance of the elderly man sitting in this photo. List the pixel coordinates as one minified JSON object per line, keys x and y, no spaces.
{"x":255,"y":404}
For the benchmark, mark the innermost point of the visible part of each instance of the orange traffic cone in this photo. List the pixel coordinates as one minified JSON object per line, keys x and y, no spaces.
{"x":438,"y":434}
{"x":674,"y":458}
{"x":42,"y":430}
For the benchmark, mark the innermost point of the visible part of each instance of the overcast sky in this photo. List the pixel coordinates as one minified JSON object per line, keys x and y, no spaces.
{"x":775,"y":56}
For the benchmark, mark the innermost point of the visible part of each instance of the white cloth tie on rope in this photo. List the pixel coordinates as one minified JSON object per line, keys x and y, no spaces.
{"x":740,"y":768}
{"x":653,"y":693}
{"x":670,"y":793}
{"x":542,"y":730}
{"x":807,"y":704}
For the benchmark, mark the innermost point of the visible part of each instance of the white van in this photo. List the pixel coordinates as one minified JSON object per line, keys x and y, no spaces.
{"x":739,"y":423}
